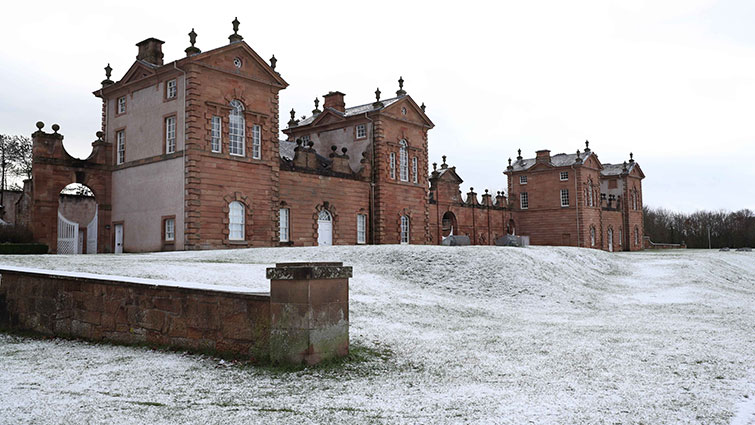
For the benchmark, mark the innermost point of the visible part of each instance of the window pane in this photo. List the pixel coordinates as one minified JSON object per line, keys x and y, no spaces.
{"x":236,"y":221}
{"x":403,"y":162}
{"x":236,"y":128}
{"x":414,"y":170}
{"x":284,"y":224}
{"x":404,"y":229}
{"x":216,"y":132}
{"x":361,"y":228}
{"x":393,"y":165}
{"x":121,"y":142}
{"x":170,"y":134}
{"x":256,"y":142}
{"x":170,"y":229}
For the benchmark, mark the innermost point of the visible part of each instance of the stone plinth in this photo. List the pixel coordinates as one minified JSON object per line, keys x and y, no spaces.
{"x":309,"y":311}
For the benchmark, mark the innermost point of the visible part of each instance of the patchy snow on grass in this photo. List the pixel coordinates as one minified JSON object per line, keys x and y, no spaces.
{"x":443,"y":335}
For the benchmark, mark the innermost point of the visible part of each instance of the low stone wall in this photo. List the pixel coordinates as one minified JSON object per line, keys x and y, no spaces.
{"x":306,"y":318}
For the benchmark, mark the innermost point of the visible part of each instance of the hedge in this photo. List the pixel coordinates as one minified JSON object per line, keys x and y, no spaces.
{"x":23,"y":248}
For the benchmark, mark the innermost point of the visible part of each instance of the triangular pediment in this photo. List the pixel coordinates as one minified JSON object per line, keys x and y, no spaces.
{"x":637,"y":172}
{"x":592,"y":161}
{"x":138,"y":71}
{"x":541,"y":166}
{"x":450,"y":176}
{"x":239,"y":58}
{"x":327,"y":117}
{"x":414,"y":113}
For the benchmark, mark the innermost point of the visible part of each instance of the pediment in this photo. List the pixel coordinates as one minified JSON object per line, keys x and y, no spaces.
{"x":637,"y":172}
{"x":593,"y":162}
{"x":251,"y":64}
{"x":139,"y":70}
{"x":540,"y":166}
{"x":450,"y":176}
{"x":327,"y":117}
{"x":413,"y":112}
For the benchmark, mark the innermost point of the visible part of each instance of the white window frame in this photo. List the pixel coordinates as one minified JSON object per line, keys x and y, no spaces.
{"x":361,"y":228}
{"x":405,"y":225}
{"x":563,"y":176}
{"x":236,"y":129}
{"x":564,"y":198}
{"x":522,"y":179}
{"x":236,"y":221}
{"x":170,"y":134}
{"x":256,"y":142}
{"x":216,"y":134}
{"x":403,"y":162}
{"x":524,"y":201}
{"x":121,"y":105}
{"x":361,"y":131}
{"x":171,"y":89}
{"x":120,"y":156}
{"x":393,"y":165}
{"x":284,"y":235}
{"x":415,"y":177}
{"x":170,"y":229}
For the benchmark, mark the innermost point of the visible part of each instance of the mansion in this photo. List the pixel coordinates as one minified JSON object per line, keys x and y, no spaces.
{"x":189,"y":157}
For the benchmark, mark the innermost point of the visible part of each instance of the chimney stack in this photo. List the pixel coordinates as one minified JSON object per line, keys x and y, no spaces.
{"x":334,"y":100}
{"x":151,"y":50}
{"x":543,"y":157}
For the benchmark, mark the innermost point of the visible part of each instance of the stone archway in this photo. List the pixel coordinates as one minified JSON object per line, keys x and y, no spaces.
{"x":53,"y":169}
{"x":448,"y":224}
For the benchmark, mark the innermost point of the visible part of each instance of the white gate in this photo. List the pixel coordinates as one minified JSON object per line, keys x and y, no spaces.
{"x":68,"y":236}
{"x":92,"y":233}
{"x":324,"y":228}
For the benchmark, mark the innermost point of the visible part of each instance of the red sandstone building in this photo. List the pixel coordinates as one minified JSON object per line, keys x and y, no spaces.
{"x":189,"y":157}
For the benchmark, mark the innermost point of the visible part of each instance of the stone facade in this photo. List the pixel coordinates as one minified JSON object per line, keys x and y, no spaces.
{"x":193,"y":145}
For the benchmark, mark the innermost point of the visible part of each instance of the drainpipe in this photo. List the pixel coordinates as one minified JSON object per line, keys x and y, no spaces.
{"x":183,"y":180}
{"x":372,"y":180}
{"x":576,"y":200}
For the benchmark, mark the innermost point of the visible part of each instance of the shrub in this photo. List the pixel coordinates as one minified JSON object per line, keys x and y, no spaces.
{"x":23,"y":248}
{"x":15,"y":234}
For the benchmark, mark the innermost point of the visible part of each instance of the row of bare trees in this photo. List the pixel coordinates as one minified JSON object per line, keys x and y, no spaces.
{"x":701,"y":229}
{"x":15,"y":162}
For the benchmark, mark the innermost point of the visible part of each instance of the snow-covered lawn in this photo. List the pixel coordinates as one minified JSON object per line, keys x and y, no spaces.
{"x":444,"y":334}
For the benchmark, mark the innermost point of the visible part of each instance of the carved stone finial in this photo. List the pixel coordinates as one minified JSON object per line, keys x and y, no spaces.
{"x":99,"y":136}
{"x":317,"y":107}
{"x":107,"y":81}
{"x":298,"y":142}
{"x":444,"y":162}
{"x":333,"y":148}
{"x":377,"y":94}
{"x":293,"y":113}
{"x":344,"y":150}
{"x":378,"y":103}
{"x":486,"y":191}
{"x":292,"y":122}
{"x":273,"y":62}
{"x":625,"y":166}
{"x":509,"y":162}
{"x":471,"y":189}
{"x":587,"y":146}
{"x":631,"y":157}
{"x":423,"y":106}
{"x":310,"y":143}
{"x":519,"y":155}
{"x":40,"y":125}
{"x":435,"y":166}
{"x":235,"y":36}
{"x":55,"y":128}
{"x":192,"y":50}
{"x":400,"y":91}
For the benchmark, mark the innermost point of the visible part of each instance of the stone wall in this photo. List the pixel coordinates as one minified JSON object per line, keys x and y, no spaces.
{"x":308,"y":313}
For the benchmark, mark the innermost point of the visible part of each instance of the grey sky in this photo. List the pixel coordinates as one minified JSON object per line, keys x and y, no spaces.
{"x":672,"y":81}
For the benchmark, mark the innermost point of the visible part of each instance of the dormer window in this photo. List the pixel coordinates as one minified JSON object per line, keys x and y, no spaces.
{"x":564,"y":176}
{"x":122,"y":105}
{"x":361,"y":131}
{"x":171,"y":89}
{"x":522,"y":179}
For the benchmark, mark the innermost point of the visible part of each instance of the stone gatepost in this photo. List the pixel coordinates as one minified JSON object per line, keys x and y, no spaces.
{"x":309,"y":312}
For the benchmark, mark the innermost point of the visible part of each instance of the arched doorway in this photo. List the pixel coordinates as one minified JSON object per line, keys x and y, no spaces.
{"x":448,"y":224}
{"x":324,"y":228}
{"x":77,"y":220}
{"x":511,"y":228}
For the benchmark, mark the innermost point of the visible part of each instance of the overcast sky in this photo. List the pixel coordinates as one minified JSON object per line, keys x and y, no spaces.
{"x":672,"y":81}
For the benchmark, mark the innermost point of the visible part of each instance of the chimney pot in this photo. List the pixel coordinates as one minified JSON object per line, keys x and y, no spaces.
{"x":334,"y":100}
{"x":543,"y":156}
{"x":151,"y":50}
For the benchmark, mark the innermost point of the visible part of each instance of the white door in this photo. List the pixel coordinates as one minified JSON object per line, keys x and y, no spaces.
{"x":68,"y":236}
{"x":610,"y":240}
{"x":80,"y":247}
{"x":324,"y":229}
{"x":119,"y":239}
{"x":92,"y":234}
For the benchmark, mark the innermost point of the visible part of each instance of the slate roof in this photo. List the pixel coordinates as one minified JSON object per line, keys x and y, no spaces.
{"x":616,"y":169}
{"x":354,"y":110}
{"x":286,"y":149}
{"x":558,"y":160}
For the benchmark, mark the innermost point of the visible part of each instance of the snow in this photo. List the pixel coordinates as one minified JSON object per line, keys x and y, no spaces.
{"x":447,"y":335}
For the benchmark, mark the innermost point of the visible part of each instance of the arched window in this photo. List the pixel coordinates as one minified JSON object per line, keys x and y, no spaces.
{"x":404,"y":229}
{"x":636,"y":235}
{"x":610,"y":239}
{"x":592,"y":236}
{"x":236,"y":221}
{"x":236,"y":128}
{"x":590,"y":196}
{"x":403,"y":160}
{"x":621,"y":237}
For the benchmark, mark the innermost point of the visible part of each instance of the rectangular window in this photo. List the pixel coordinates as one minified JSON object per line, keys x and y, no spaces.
{"x":284,"y":225}
{"x":393,"y":166}
{"x":170,"y":134}
{"x":522,"y":179}
{"x":564,"y":197}
{"x":120,"y":138}
{"x":216,"y":132}
{"x":361,"y":131}
{"x":256,"y":142}
{"x":236,"y":136}
{"x":170,"y":89}
{"x":415,"y":178}
{"x":122,"y":105}
{"x":524,"y":202}
{"x":564,"y":176}
{"x":361,"y":228}
{"x":170,"y":229}
{"x":305,"y":140}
